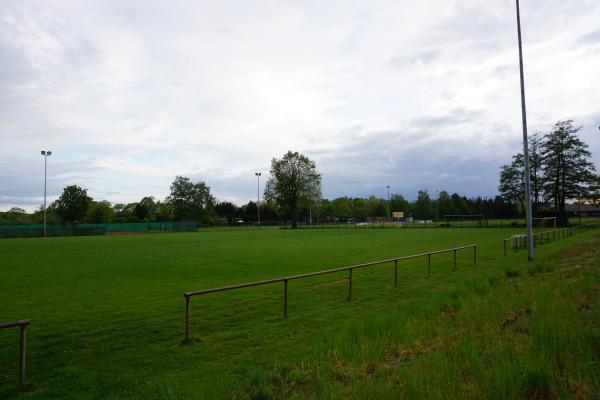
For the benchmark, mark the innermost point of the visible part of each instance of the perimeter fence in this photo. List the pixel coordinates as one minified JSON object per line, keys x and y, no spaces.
{"x":188,"y":295}
{"x":519,"y":242}
{"x":36,"y":230}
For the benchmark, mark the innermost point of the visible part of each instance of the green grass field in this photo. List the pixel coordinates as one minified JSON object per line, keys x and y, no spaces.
{"x":107,"y":316}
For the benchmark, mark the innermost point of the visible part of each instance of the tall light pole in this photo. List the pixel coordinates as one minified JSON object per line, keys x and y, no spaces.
{"x":388,"y":204}
{"x":258,"y":195}
{"x":46,"y":154}
{"x":525,"y":146}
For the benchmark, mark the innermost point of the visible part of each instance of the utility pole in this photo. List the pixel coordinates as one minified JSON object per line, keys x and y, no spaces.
{"x":525,"y":146}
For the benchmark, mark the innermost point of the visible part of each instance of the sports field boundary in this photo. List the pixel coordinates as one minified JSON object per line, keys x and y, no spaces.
{"x":517,"y":242}
{"x":284,"y":280}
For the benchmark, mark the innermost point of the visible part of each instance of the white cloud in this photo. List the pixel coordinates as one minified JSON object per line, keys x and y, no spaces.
{"x":411,"y":94}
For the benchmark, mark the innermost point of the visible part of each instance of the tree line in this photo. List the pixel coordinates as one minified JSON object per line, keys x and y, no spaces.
{"x":560,"y":171}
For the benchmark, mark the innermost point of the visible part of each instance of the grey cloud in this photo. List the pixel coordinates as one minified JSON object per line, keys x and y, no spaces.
{"x":455,"y":116}
{"x":590,"y":37}
{"x":424,"y":57}
{"x":22,"y":179}
{"x":420,"y":157}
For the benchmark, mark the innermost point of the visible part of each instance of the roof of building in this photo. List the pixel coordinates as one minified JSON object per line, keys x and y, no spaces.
{"x":582,"y":207}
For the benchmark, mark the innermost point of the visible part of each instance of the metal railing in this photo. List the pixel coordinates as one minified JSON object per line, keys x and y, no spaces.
{"x":285,"y":280}
{"x":22,"y":323}
{"x":517,"y":242}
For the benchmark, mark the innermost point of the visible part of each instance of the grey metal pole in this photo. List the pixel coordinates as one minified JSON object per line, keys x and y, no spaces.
{"x":525,"y":146}
{"x":258,"y":195}
{"x":187,"y":319}
{"x":437,"y":209}
{"x":23,"y":352}
{"x":45,"y":167}
{"x":388,"y":204}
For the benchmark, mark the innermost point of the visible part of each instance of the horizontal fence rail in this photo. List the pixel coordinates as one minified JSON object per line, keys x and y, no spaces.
{"x":23,"y":324}
{"x":286,"y":279}
{"x":517,"y":242}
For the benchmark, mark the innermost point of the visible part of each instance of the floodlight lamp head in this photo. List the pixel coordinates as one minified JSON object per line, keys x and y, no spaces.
{"x":49,"y":153}
{"x":43,"y":153}
{"x":257,"y":173}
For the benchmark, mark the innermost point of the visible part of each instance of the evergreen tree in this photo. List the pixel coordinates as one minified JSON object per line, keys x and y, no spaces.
{"x":568,"y":174}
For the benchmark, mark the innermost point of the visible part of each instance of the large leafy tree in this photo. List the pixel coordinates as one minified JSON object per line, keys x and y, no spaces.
{"x":100,"y":212}
{"x":342,"y":207}
{"x":191,"y":200}
{"x":294,"y":182}
{"x":568,"y":173}
{"x":461,"y":205}
{"x":227,"y":210}
{"x":145,"y":209}
{"x":399,"y":203}
{"x":424,"y":208}
{"x":445,"y":205}
{"x":73,"y":204}
{"x":536,"y":141}
{"x":512,"y":181}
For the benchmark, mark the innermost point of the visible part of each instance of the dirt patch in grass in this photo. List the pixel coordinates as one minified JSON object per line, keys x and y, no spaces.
{"x":582,"y":249}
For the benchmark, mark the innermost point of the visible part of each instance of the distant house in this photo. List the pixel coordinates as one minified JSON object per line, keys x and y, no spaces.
{"x":587,"y":210}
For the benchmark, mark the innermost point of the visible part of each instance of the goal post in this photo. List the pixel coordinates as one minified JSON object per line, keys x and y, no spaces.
{"x":544,"y":222}
{"x":476,"y":220}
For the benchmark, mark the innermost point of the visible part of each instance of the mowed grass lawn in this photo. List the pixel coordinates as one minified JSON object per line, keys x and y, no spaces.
{"x":107,"y":312}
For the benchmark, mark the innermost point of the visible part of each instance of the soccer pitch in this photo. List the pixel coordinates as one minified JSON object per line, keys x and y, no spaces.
{"x":108,"y":312}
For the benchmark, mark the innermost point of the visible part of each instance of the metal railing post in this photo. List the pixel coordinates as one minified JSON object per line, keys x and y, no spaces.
{"x":187,"y":319}
{"x":455,"y":260}
{"x":22,"y":325}
{"x":285,"y":298}
{"x":23,"y":352}
{"x":395,"y":273}
{"x":349,"y":283}
{"x":429,"y":265}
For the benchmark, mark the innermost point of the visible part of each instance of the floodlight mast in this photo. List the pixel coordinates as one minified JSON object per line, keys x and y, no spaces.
{"x":525,"y":146}
{"x":258,"y":196}
{"x":46,"y":154}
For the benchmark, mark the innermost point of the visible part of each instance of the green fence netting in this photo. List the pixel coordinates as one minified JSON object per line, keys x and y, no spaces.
{"x":35,"y":230}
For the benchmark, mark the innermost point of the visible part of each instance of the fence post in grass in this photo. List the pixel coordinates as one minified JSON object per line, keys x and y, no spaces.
{"x":349,"y":283}
{"x":187,"y":318}
{"x":23,"y":351}
{"x":395,"y":273}
{"x":475,"y":255}
{"x":455,"y":260}
{"x":285,"y":297}
{"x":429,"y":265}
{"x":504,"y":246}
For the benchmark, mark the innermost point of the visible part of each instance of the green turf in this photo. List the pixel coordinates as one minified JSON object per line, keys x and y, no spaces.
{"x":107,"y":312}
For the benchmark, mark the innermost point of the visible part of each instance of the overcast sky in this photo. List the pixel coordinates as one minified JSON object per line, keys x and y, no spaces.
{"x":411,"y":94}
